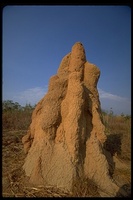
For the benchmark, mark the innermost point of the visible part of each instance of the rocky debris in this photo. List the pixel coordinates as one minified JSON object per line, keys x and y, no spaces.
{"x":65,"y":139}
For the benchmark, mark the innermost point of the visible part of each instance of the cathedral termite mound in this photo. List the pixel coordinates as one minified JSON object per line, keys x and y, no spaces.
{"x":65,"y":139}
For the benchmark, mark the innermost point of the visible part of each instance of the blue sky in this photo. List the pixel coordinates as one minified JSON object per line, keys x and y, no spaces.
{"x":36,"y":38}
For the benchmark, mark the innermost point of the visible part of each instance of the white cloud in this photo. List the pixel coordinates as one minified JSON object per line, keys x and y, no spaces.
{"x":117,"y":103}
{"x":32,"y":95}
{"x":110,"y":96}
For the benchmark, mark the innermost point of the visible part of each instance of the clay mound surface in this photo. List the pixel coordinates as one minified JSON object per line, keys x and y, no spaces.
{"x":65,"y":140}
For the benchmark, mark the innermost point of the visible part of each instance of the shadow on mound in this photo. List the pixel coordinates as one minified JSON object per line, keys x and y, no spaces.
{"x":113,"y":144}
{"x":124,"y":191}
{"x":111,"y":147}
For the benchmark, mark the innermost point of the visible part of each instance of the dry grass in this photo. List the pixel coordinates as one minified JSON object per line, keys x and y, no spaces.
{"x":15,"y":183}
{"x":84,"y":188}
{"x":118,"y":130}
{"x":117,"y":124}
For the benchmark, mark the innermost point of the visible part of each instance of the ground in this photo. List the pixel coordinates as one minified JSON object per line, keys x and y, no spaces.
{"x":15,"y":183}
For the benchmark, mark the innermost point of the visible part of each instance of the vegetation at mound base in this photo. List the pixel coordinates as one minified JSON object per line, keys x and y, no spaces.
{"x":17,"y":117}
{"x":15,"y":122}
{"x":118,"y":127}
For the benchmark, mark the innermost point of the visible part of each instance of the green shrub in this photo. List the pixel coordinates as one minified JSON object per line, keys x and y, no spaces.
{"x":16,"y":117}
